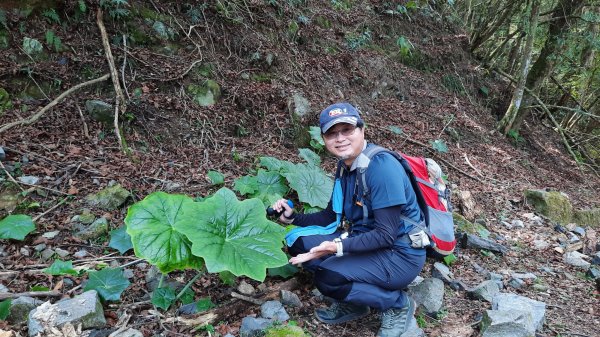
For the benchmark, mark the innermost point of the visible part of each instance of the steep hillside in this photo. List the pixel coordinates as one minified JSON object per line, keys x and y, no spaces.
{"x":403,"y":69}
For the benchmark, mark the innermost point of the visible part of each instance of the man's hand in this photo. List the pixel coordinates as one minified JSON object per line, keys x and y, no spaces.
{"x":325,"y":248}
{"x":282,"y":205}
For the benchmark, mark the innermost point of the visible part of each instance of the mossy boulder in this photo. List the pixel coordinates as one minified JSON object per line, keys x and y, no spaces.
{"x":110,"y":198}
{"x":5,"y":102}
{"x":206,"y":94}
{"x":555,"y":205}
{"x":587,"y":217}
{"x":9,"y":199}
{"x":100,"y":111}
{"x":285,"y":331}
{"x":93,"y":231}
{"x":463,"y":225}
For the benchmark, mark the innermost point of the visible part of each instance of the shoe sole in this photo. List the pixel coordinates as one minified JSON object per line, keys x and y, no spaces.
{"x":345,"y":318}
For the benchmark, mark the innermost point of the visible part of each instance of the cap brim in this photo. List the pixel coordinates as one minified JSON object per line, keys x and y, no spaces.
{"x":346,"y":119}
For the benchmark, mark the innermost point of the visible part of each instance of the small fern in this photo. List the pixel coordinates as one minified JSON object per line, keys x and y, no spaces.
{"x":82,"y":6}
{"x":116,"y":8}
{"x":51,"y":16}
{"x":53,"y":40}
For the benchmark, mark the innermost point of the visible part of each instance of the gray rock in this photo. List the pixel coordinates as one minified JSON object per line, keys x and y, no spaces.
{"x":290,"y":299}
{"x":517,"y":223}
{"x":29,"y":180}
{"x":84,"y":309}
{"x":128,"y":273}
{"x":541,"y":244}
{"x":442,"y":272}
{"x":100,"y":111}
{"x":2,"y":154}
{"x":576,"y":259}
{"x":300,"y":105}
{"x":81,"y":254}
{"x":507,"y":323}
{"x":20,"y":308}
{"x":525,"y":276}
{"x":3,"y":289}
{"x":50,"y":235}
{"x":474,"y":242}
{"x":498,"y":278}
{"x":24,"y":251}
{"x":188,"y":309}
{"x":40,"y":247}
{"x":109,"y":198}
{"x":246,"y":288}
{"x":252,"y":326}
{"x":274,"y":310}
{"x":47,"y":254}
{"x":516,"y":283}
{"x":61,"y":252}
{"x":129,"y":333}
{"x":486,"y":291}
{"x":579,"y":231}
{"x":153,"y":278}
{"x":94,"y":230}
{"x":429,"y":295}
{"x":205,"y":94}
{"x":540,"y":287}
{"x":596,"y":259}
{"x":513,"y":302}
{"x":593,"y":272}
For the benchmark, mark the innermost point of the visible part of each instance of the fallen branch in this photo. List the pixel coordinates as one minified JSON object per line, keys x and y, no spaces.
{"x":120,"y":106}
{"x":471,"y":165}
{"x":50,"y":209}
{"x":52,"y":293}
{"x":248,"y":299}
{"x":11,"y":177}
{"x":39,"y":114}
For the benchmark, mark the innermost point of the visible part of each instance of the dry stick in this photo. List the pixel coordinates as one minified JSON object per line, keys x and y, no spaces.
{"x":124,"y":64}
{"x":50,"y":209}
{"x":120,"y":106}
{"x":252,"y":300}
{"x":11,"y":177}
{"x":53,"y":293}
{"x":85,"y":127}
{"x":39,"y":114}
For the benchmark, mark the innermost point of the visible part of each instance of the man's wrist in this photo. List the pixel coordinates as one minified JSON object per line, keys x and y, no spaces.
{"x":290,"y":219}
{"x":339,"y":247}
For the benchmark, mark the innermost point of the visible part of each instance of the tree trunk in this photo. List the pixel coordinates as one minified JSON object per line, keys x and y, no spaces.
{"x":488,"y":28}
{"x":544,"y":64}
{"x":505,"y":124}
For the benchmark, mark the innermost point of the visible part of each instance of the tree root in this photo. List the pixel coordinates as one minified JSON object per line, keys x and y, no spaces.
{"x":43,"y":110}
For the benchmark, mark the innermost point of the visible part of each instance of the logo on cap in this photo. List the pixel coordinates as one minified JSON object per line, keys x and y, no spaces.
{"x":337,"y":112}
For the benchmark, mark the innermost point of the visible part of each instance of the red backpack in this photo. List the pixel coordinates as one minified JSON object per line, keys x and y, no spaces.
{"x":433,"y":197}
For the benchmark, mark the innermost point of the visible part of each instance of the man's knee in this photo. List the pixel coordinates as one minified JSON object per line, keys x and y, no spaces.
{"x":332,"y":284}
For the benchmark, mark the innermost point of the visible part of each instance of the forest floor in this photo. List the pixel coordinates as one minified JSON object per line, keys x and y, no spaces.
{"x":439,"y":93}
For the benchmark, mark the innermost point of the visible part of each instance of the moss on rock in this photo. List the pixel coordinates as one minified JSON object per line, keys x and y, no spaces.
{"x":587,"y":217}
{"x":555,"y":205}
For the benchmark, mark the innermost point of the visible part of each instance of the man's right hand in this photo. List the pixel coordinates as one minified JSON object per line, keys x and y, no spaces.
{"x":282,"y":205}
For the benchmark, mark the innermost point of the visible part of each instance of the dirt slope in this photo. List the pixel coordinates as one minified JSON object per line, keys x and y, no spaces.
{"x":322,"y":52}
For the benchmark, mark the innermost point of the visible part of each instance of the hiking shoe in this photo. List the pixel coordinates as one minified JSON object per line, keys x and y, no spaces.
{"x":394,"y":322}
{"x":340,"y":312}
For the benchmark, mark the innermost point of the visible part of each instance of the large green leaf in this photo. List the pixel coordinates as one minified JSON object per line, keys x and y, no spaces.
{"x":5,"y":309}
{"x":151,"y":225}
{"x":246,"y":185}
{"x":108,"y":282}
{"x":276,"y":165}
{"x":269,"y":184}
{"x":163,"y":297}
{"x":16,"y":227}
{"x":61,"y":268}
{"x":216,"y":178}
{"x":120,"y":240}
{"x":315,"y":134}
{"x":234,"y":235}
{"x":310,"y":157}
{"x":312,"y":185}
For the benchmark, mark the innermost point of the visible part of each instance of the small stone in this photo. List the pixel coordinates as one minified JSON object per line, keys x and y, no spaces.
{"x":518,"y":224}
{"x":50,"y":235}
{"x":516,"y":283}
{"x":573,"y":238}
{"x":245,"y":288}
{"x":579,"y":231}
{"x":24,"y":251}
{"x":507,"y":224}
{"x":62,"y":253}
{"x":2,"y":154}
{"x":593,"y":272}
{"x":252,"y":326}
{"x":29,"y":180}
{"x":524,"y":276}
{"x":576,"y":259}
{"x":540,"y":287}
{"x":261,"y":287}
{"x":128,"y":273}
{"x":81,"y":254}
{"x":540,"y":244}
{"x":596,"y":259}
{"x":274,"y":310}
{"x":47,"y":254}
{"x":290,"y":299}
{"x":40,"y":247}
{"x":3,"y":289}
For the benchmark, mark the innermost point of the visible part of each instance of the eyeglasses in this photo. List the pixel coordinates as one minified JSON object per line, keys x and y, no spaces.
{"x":345,"y":131}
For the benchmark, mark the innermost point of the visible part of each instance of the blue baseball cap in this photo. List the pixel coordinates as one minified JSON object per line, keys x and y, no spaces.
{"x":339,"y":113}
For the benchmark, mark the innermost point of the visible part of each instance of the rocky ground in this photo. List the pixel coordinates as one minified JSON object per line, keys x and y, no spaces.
{"x":275,"y":67}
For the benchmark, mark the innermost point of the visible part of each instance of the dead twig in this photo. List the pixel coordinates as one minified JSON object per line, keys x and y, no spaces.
{"x":247,"y":298}
{"x":39,"y":114}
{"x":120,"y":105}
{"x":50,"y":209}
{"x":52,"y":293}
{"x":471,"y":165}
{"x":85,"y":127}
{"x":11,"y":177}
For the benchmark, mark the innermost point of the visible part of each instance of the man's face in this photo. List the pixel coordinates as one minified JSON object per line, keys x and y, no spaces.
{"x":345,"y":141}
